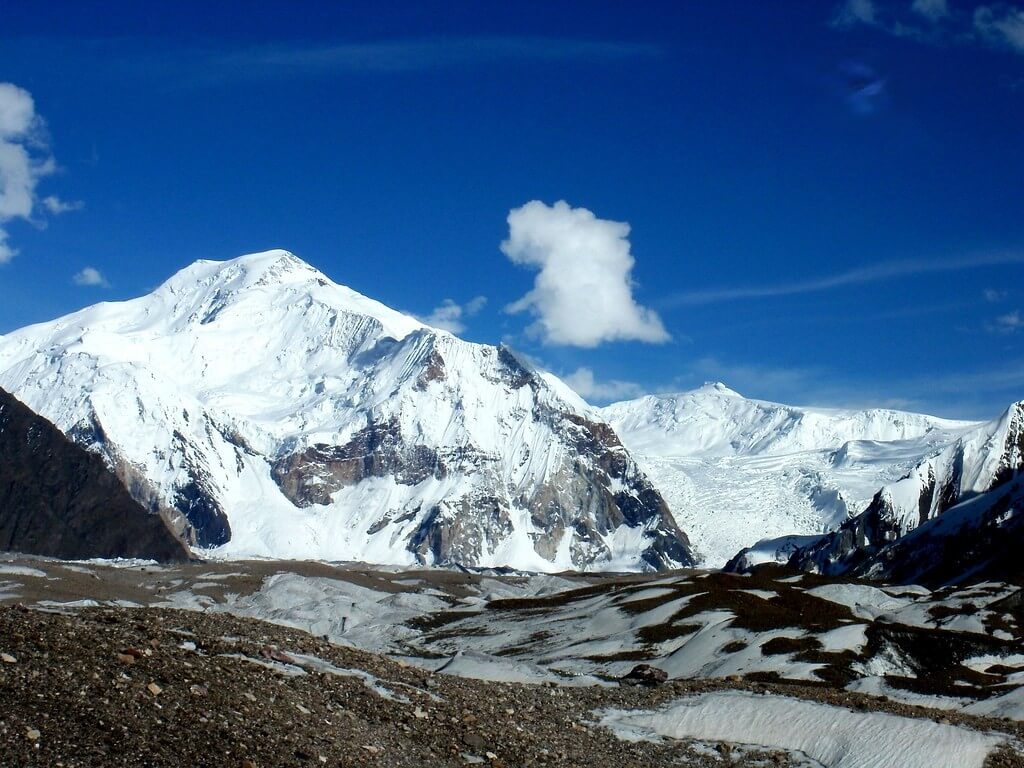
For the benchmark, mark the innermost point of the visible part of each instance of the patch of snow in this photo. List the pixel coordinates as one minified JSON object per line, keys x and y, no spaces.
{"x":8,"y":569}
{"x":852,"y":637}
{"x":1009,"y":705}
{"x":834,"y":736}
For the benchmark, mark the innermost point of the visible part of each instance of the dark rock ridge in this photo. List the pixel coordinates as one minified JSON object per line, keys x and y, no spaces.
{"x":966,"y":518}
{"x":979,"y":540}
{"x":59,"y":500}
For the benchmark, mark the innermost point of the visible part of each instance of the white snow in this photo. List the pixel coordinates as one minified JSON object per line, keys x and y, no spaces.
{"x":835,"y":737}
{"x":852,"y":637}
{"x":736,"y":471}
{"x":8,"y":569}
{"x":1009,"y":705}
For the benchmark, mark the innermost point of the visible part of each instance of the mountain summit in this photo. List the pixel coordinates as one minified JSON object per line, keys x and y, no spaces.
{"x":268,"y":411}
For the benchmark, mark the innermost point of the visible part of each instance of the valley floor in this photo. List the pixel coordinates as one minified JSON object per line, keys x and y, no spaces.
{"x":274,"y":664}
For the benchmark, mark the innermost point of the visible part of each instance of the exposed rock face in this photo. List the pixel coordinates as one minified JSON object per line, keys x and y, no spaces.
{"x":58,"y":500}
{"x":951,"y":515}
{"x":979,"y":540}
{"x":281,"y":415}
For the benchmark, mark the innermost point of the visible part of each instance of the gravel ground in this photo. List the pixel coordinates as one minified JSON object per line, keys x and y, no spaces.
{"x":156,"y":687}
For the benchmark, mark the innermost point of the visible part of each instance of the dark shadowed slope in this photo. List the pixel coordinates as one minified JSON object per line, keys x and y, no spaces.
{"x":59,"y":500}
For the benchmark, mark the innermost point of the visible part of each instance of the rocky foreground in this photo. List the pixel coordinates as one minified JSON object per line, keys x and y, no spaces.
{"x":160,"y":687}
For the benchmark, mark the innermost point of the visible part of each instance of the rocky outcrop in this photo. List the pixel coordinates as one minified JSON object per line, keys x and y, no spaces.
{"x":311,"y":476}
{"x":59,"y":500}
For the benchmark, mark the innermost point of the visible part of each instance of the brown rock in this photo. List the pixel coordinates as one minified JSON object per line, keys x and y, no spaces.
{"x":644,"y":674}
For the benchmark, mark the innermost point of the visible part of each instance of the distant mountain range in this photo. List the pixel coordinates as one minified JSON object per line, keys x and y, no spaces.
{"x":736,"y":470}
{"x":261,"y":409}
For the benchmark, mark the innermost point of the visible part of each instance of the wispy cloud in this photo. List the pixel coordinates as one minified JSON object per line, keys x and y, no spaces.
{"x":870,"y":274}
{"x":855,"y":12}
{"x":450,"y":316}
{"x":864,"y":89}
{"x":993,"y":296}
{"x":56,"y":206}
{"x":1001,"y":25}
{"x":586,"y":385}
{"x":1011,"y":322}
{"x":90,"y":276}
{"x":405,"y":55}
{"x":996,"y":25}
{"x":933,"y":10}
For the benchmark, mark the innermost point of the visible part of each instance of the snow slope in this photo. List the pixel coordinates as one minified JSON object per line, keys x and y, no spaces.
{"x":735,"y":471}
{"x":272,"y":412}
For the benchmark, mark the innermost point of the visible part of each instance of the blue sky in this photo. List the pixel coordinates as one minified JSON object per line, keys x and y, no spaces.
{"x":824,"y":200}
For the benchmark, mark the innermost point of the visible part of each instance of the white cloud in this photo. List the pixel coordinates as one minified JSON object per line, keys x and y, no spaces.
{"x":586,"y":386}
{"x":993,"y":296}
{"x":856,"y":11}
{"x":933,"y":10}
{"x":583,"y":294}
{"x":56,"y":206}
{"x":1008,"y":323}
{"x":24,"y":160}
{"x":1001,"y":25}
{"x":449,"y":316}
{"x":90,"y":276}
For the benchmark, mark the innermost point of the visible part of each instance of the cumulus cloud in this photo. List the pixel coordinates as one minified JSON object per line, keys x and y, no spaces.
{"x":583,"y":294}
{"x":586,"y":386}
{"x":1001,"y":25}
{"x":90,"y":276}
{"x":449,"y":315}
{"x":24,"y":160}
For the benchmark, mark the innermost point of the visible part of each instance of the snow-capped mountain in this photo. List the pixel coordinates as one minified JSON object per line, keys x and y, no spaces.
{"x":736,"y":470}
{"x":949,"y":515}
{"x":271,"y":412}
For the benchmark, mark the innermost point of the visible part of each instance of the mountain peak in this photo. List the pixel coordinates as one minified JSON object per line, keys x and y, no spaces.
{"x":717,"y":387}
{"x":275,"y":280}
{"x":254,"y":269}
